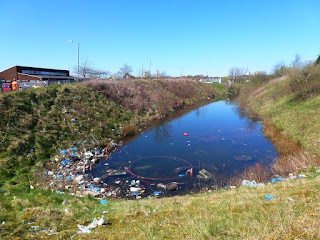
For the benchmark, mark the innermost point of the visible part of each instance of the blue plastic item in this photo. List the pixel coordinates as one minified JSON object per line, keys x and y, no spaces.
{"x":73,"y":149}
{"x":156,"y":193}
{"x":273,"y":180}
{"x":64,"y":152}
{"x":103,"y":202}
{"x":66,"y":162}
{"x":68,"y":177}
{"x":269,"y":197}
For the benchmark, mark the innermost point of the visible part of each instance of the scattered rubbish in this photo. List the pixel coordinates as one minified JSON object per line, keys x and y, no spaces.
{"x":300,"y":176}
{"x":161,"y":185}
{"x":172,"y":186}
{"x":253,"y":183}
{"x":278,"y":179}
{"x":157,"y":193}
{"x":181,"y":175}
{"x":135,"y":189}
{"x":96,"y":180}
{"x":66,"y":162}
{"x":103,"y":202}
{"x":205,"y":174}
{"x":269,"y":197}
{"x":63,"y":152}
{"x":290,"y":199}
{"x":117,"y":182}
{"x":181,"y":169}
{"x":95,"y":223}
{"x":243,"y":158}
{"x":290,"y":177}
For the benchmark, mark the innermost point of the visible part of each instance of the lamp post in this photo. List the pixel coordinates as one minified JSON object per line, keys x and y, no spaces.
{"x":149,"y":66}
{"x":78,"y":58}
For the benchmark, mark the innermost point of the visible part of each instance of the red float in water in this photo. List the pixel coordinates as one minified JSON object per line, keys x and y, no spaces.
{"x":185,"y":134}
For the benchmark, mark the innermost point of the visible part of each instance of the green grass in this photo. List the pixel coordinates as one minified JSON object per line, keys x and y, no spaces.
{"x":298,"y":118}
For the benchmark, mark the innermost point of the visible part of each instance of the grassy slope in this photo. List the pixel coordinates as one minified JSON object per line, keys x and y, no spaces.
{"x":298,"y":118}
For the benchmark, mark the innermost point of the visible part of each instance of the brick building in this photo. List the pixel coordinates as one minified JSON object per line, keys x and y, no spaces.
{"x":32,"y":76}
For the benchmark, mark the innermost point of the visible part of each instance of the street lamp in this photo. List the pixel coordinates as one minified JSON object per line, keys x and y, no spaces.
{"x":149,"y":66}
{"x":78,"y":57}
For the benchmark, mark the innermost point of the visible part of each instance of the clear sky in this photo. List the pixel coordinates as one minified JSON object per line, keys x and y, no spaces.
{"x":193,"y":36}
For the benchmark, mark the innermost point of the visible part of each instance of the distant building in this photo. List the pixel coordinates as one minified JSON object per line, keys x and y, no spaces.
{"x":211,"y":80}
{"x":32,"y":76}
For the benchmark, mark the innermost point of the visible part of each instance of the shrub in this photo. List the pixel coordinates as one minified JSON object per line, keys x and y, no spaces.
{"x":305,"y":83}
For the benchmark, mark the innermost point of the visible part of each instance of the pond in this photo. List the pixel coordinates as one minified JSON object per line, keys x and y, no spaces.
{"x":203,"y":148}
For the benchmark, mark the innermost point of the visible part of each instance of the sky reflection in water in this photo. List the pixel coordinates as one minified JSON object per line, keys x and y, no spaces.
{"x":221,"y":139}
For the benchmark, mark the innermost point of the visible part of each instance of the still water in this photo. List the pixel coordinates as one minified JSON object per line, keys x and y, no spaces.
{"x":217,"y":137}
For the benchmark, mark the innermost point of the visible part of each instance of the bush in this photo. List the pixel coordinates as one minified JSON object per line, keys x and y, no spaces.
{"x":305,"y":83}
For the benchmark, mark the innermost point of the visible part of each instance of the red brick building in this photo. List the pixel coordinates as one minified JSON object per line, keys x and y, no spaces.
{"x":36,"y":76}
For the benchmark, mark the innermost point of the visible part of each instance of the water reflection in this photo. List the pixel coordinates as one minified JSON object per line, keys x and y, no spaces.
{"x":218,"y":138}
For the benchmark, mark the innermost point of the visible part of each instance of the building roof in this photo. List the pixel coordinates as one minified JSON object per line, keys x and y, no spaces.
{"x":48,"y":76}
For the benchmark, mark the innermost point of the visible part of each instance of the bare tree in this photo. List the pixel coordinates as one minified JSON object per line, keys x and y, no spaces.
{"x":236,"y":74}
{"x":125,"y":70}
{"x":99,"y":74}
{"x":296,"y":63}
{"x":279,"y":69}
{"x":163,"y":74}
{"x":84,"y":70}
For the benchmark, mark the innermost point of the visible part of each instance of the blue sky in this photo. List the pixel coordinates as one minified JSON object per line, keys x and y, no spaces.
{"x":198,"y":37}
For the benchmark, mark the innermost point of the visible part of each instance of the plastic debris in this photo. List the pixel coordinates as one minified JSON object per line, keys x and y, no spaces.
{"x":269,"y":197}
{"x":161,"y":185}
{"x":300,"y":176}
{"x":278,"y":179}
{"x":252,"y":183}
{"x":205,"y":174}
{"x":66,"y":162}
{"x":87,"y":229}
{"x":172,"y":186}
{"x":135,"y":189}
{"x":63,"y":152}
{"x":157,"y":193}
{"x":95,"y":223}
{"x":103,"y":202}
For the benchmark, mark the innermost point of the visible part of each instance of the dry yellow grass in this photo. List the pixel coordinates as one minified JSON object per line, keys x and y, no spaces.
{"x":241,"y":213}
